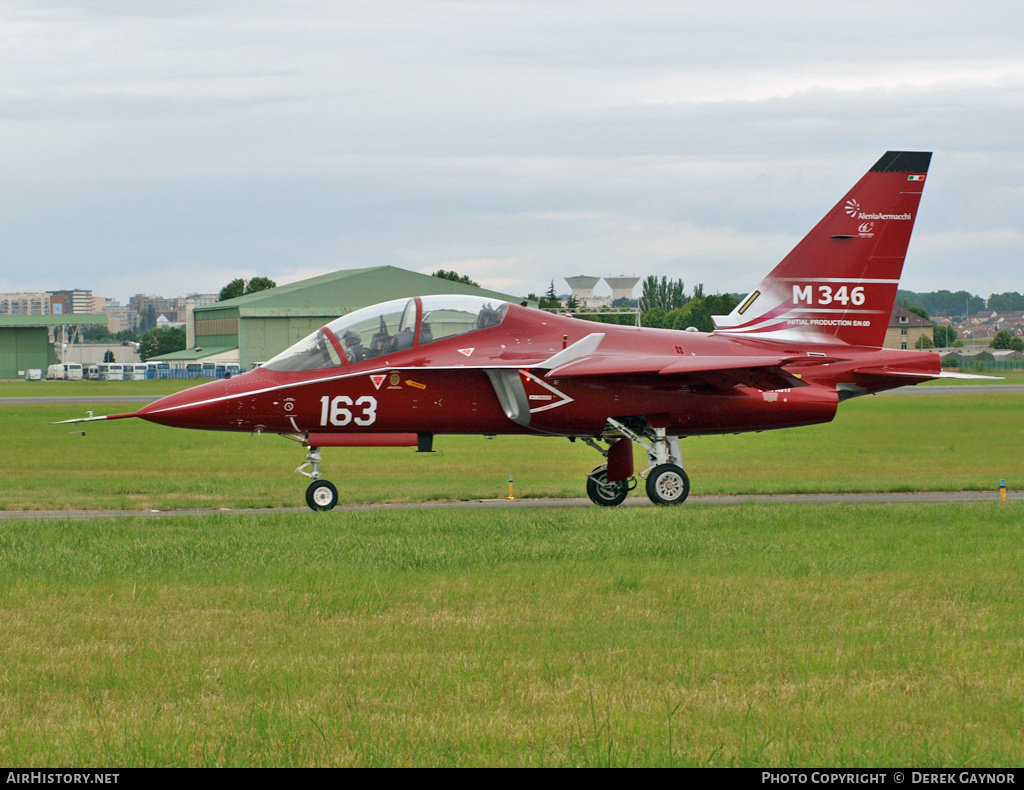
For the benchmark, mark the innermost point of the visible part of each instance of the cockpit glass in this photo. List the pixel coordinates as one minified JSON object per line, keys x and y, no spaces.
{"x":376,"y":331}
{"x":387,"y":328}
{"x":312,"y":353}
{"x":448,"y":315}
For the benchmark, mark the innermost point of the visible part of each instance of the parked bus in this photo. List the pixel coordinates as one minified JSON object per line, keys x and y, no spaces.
{"x":158,"y":370}
{"x":225,"y":369}
{"x":111,"y":371}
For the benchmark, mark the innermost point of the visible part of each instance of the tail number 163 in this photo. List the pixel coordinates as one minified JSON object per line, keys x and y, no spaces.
{"x":341,"y":410}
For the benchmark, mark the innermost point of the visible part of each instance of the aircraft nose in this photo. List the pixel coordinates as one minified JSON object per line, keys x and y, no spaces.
{"x":202,"y":407}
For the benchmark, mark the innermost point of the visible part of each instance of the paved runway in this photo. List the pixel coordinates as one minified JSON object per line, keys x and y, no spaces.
{"x":938,"y":497}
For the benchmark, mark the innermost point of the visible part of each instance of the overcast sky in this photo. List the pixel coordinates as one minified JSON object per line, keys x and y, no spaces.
{"x":169,"y":147}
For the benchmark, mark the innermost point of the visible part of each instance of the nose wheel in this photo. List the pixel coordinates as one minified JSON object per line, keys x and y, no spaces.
{"x":321,"y":495}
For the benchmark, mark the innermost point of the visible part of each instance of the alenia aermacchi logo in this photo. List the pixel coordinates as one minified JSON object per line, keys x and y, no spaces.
{"x":852,"y":208}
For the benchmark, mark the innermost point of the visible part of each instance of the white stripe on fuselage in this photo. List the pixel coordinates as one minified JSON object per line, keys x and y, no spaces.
{"x":292,"y":385}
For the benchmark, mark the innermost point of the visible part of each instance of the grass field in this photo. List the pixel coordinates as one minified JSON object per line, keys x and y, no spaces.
{"x":782,"y":636}
{"x":895,"y":443}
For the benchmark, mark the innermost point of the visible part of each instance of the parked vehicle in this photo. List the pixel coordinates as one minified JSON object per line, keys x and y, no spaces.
{"x":71,"y":371}
{"x":135,"y":371}
{"x":111,"y":371}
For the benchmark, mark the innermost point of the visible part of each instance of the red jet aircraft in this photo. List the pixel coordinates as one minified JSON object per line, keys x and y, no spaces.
{"x":395,"y":374}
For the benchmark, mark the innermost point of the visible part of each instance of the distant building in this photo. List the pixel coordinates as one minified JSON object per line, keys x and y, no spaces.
{"x":583,"y":289}
{"x":172,"y":309}
{"x":906,"y":328}
{"x":75,"y":301}
{"x":622,"y":287}
{"x":120,"y":318}
{"x":25,"y":304}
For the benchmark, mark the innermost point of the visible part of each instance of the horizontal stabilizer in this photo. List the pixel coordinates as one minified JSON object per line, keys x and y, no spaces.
{"x":949,"y":375}
{"x":920,"y":375}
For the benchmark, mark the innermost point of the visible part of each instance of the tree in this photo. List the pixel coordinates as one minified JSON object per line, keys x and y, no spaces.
{"x":943,"y":335}
{"x":239,"y":287}
{"x":108,"y":356}
{"x":257,"y":284}
{"x":665,"y":294}
{"x":942,"y":302}
{"x":924,"y":342}
{"x":1009,"y":302}
{"x":161,"y":341}
{"x":456,"y":277}
{"x":232,"y":290}
{"x":95,"y":334}
{"x":1003,"y":339}
{"x":147,"y":318}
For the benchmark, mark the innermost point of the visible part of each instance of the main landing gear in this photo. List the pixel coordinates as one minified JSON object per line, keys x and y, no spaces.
{"x":321,"y":494}
{"x":667,"y":483}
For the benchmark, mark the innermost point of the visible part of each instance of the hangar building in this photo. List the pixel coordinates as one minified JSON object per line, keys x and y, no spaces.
{"x":256,"y":327}
{"x":25,"y":340}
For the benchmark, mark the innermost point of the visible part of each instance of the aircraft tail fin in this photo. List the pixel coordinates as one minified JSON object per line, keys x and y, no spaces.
{"x":840,"y":281}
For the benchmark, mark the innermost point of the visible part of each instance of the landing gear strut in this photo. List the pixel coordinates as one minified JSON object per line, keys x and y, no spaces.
{"x":667,"y":483}
{"x":321,"y":494}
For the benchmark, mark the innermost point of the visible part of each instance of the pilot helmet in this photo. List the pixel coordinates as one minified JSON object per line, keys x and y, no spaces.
{"x":352,"y":337}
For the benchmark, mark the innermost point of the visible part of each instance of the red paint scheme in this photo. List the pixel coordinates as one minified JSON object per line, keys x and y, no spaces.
{"x":458,"y":398}
{"x":805,"y":339}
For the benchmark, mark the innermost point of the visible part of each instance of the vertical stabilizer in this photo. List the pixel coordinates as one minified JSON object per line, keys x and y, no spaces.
{"x":840,"y":281}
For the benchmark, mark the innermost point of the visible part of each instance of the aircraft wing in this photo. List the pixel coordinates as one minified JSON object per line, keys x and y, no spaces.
{"x":763,"y":372}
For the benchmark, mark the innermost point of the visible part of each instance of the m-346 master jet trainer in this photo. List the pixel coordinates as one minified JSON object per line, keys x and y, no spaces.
{"x":808,"y":337}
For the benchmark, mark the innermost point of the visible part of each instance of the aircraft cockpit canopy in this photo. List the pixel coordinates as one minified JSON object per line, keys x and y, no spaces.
{"x":390,"y":327}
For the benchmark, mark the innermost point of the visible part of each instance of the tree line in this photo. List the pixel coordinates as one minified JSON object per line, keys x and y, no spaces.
{"x":961,"y":303}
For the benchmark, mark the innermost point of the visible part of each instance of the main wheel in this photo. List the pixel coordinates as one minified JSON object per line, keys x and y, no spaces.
{"x":321,"y":495}
{"x":668,"y":485}
{"x":605,"y":493}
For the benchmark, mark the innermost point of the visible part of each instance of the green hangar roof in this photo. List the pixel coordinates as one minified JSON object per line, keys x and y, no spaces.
{"x":71,"y":319}
{"x":333,"y":295}
{"x":263,"y":324}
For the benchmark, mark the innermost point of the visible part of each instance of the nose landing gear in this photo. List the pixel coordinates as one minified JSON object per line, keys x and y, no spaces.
{"x":321,"y":494}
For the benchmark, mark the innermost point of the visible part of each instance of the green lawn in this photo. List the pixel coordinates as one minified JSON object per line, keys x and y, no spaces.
{"x":752,"y":636}
{"x":894,"y":443}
